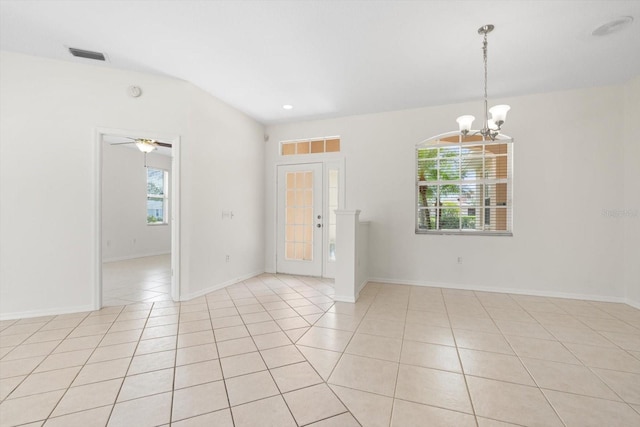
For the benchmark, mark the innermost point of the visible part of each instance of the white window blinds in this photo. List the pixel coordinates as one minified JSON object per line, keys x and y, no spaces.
{"x":464,"y":187}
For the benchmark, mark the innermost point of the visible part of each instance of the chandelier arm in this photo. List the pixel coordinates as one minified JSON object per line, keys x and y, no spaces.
{"x":489,"y":130}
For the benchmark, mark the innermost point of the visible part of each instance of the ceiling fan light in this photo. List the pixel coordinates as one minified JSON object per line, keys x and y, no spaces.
{"x":464,"y":122}
{"x":145,"y":147}
{"x":499,"y":114}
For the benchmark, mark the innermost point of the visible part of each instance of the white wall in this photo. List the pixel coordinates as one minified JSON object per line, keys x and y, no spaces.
{"x":224,"y":171}
{"x":125,"y":232}
{"x":49,"y":112}
{"x":568,"y":168}
{"x":631,"y":203}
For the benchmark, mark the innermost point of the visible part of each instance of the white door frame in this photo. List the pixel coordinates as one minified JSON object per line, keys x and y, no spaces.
{"x":327,"y":160}
{"x":174,"y":210}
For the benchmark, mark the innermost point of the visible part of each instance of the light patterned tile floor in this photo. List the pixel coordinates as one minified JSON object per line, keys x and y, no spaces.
{"x":146,"y":279}
{"x":275,"y":351}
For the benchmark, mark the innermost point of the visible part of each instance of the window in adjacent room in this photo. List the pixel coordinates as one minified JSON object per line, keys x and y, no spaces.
{"x":157,"y":196}
{"x":464,"y":187}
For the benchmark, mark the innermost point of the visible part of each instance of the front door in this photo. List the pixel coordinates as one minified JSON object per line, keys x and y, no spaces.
{"x":300,"y":219}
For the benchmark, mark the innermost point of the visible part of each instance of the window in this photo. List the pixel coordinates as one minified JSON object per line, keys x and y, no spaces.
{"x":157,"y":196}
{"x":332,"y":207}
{"x":310,"y":146}
{"x":464,"y":187}
{"x":299,"y":216}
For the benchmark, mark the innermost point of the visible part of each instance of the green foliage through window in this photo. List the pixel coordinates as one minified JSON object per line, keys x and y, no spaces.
{"x":463,"y":187}
{"x":156,"y":196}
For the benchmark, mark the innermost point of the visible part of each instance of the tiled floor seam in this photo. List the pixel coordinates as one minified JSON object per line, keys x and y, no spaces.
{"x":268,"y":369}
{"x":307,"y":361}
{"x":52,"y":352}
{"x":215,"y":341}
{"x":464,"y":376}
{"x":525,"y":366}
{"x":115,"y":402}
{"x":395,"y":386}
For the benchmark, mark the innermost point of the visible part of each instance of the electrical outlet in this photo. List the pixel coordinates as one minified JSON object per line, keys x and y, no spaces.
{"x":459,"y":260}
{"x":134,"y":242}
{"x":227,"y":258}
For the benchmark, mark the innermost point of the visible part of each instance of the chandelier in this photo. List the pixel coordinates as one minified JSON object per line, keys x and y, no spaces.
{"x":492,"y":125}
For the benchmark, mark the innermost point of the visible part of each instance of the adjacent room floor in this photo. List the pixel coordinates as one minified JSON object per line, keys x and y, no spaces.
{"x":146,"y":279}
{"x":276,"y":351}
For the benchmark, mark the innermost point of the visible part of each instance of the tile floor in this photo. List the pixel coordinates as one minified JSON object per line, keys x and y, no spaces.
{"x":276,"y":351}
{"x":146,"y":279}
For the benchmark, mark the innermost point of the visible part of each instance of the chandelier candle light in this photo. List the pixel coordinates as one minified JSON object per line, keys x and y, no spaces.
{"x":491,"y":126}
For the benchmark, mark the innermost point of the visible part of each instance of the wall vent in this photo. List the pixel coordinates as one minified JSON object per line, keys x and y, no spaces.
{"x":87,"y":54}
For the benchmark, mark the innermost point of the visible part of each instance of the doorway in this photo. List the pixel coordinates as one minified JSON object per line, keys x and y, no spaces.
{"x":308,"y":194}
{"x":137,"y":250}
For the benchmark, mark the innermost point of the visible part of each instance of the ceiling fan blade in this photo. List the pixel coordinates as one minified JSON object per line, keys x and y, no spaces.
{"x":151,"y":141}
{"x":120,"y":143}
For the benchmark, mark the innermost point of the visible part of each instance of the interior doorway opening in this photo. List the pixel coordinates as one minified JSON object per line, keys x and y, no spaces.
{"x":137,"y":227}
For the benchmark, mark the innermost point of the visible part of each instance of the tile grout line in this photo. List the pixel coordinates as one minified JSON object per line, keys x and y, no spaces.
{"x":325,"y":382}
{"x":249,"y":289}
{"x":115,"y":401}
{"x":215,"y":341}
{"x":269,"y":369}
{"x":455,"y":342}
{"x":525,"y":366}
{"x":395,"y":386}
{"x":83,"y":365}
{"x":588,"y":367}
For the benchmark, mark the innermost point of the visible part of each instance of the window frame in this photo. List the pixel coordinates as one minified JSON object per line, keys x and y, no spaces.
{"x":437,"y":142}
{"x":164,"y":197}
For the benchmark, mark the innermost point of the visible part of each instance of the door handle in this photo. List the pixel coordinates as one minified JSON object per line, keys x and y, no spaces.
{"x":319,"y":225}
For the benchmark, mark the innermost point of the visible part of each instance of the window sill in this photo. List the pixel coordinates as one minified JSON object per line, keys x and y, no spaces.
{"x":466,"y":233}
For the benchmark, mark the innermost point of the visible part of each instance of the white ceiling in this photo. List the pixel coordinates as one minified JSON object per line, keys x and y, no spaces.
{"x":336,"y":58}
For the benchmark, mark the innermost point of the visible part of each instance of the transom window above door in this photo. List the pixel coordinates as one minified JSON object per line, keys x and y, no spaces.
{"x":329,"y":144}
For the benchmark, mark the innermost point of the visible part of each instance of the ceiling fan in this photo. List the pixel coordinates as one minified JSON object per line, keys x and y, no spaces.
{"x":145,"y":145}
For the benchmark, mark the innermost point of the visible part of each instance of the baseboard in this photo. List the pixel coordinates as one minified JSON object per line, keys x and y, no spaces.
{"x":219,"y":286}
{"x":340,"y":298}
{"x":362,"y":285}
{"x":632,"y":303}
{"x":47,"y":312}
{"x":125,"y":258}
{"x":599,"y":298}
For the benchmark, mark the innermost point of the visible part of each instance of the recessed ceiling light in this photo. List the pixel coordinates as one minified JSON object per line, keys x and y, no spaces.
{"x":287,"y":106}
{"x":612,"y":26}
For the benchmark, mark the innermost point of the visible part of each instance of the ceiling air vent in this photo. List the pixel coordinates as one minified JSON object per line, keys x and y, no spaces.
{"x":87,"y":54}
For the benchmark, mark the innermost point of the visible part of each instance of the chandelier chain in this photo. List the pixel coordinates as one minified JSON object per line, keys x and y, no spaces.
{"x":490,"y":128}
{"x":484,"y":56}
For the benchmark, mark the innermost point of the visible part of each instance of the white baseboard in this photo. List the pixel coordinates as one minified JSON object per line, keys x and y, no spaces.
{"x":47,"y":312}
{"x":632,"y":303}
{"x":362,"y":285}
{"x":599,"y":298}
{"x":134,"y":256}
{"x":218,"y":286}
{"x":340,"y":298}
